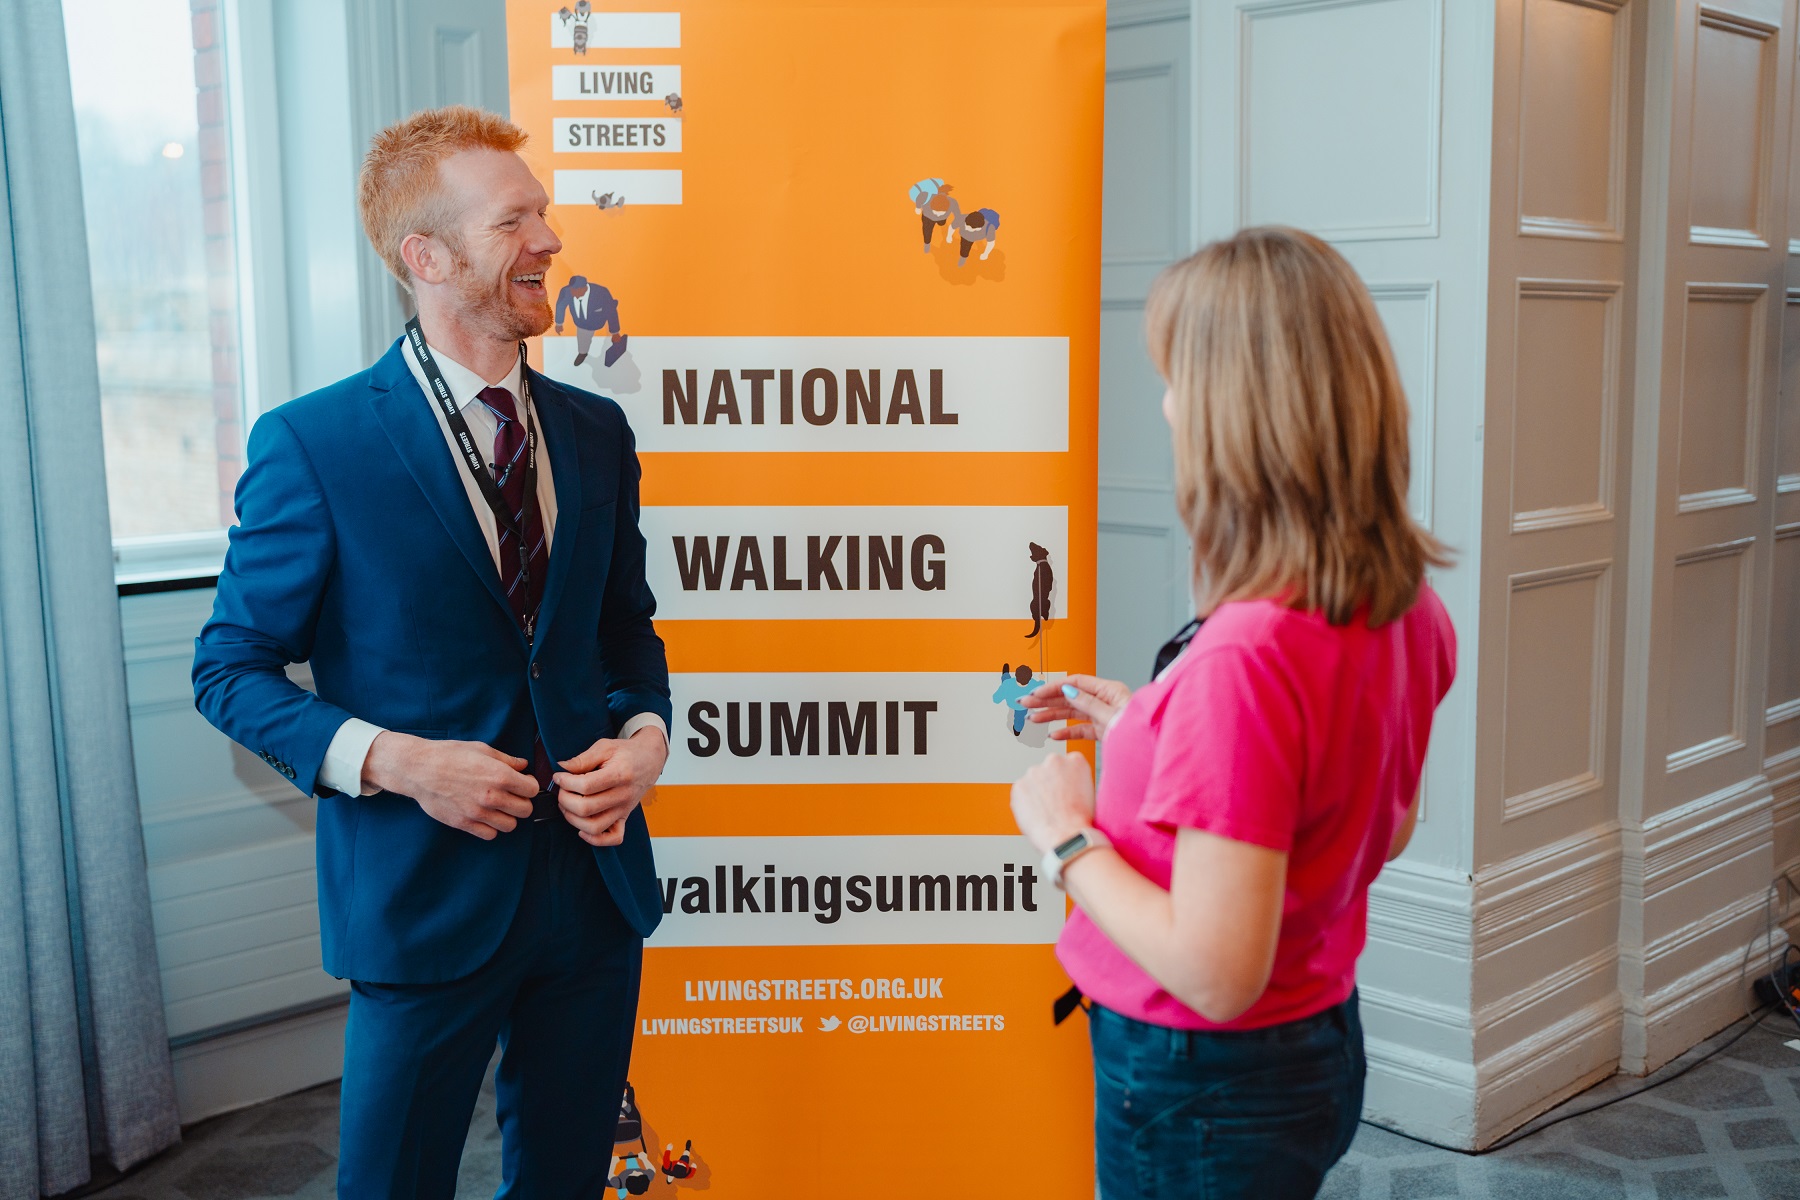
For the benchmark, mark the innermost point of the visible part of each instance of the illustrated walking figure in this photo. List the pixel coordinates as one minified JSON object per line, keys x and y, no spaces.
{"x":1014,"y":683}
{"x":630,"y":1173}
{"x":632,"y":1169}
{"x":981,"y":227}
{"x":1043,"y":588}
{"x":936,"y":208}
{"x":673,"y":100}
{"x":678,"y":1168}
{"x":592,"y":308}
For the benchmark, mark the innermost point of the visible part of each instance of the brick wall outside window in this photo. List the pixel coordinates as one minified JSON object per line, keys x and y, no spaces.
{"x":221,"y":262}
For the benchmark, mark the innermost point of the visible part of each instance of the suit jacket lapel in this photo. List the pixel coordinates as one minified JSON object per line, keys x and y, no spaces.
{"x":406,"y":418}
{"x":565,"y":467}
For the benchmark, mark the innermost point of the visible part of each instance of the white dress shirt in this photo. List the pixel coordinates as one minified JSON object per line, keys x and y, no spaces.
{"x":349,"y":749}
{"x":579,"y":304}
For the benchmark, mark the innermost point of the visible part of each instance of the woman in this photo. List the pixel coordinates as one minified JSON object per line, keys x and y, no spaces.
{"x":1255,"y":788}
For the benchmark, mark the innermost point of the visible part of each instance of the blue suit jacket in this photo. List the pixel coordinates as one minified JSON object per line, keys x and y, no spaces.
{"x":602,"y":309}
{"x":356,"y":550}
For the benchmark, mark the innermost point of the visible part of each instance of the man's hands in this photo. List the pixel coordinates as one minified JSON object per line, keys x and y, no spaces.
{"x":477,"y":789}
{"x":465,"y":785}
{"x":599,"y":787}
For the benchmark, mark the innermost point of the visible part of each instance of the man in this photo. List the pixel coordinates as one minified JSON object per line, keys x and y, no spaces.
{"x":982,"y":225}
{"x":471,"y":620}
{"x":593,"y":307}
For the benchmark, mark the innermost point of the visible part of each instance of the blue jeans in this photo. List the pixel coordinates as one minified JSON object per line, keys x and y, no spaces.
{"x":1262,"y":1113}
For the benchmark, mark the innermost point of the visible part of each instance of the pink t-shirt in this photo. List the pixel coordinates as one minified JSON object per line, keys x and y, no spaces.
{"x":1274,"y":727}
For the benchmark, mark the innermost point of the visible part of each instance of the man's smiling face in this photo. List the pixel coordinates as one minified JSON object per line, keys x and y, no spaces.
{"x":502,"y":244}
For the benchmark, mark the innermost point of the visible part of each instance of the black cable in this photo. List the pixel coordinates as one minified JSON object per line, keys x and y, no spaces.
{"x":1530,"y":1130}
{"x":1783,"y":992}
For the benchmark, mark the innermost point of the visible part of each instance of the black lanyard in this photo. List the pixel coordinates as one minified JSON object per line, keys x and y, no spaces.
{"x":477,"y":464}
{"x":1171,"y":649}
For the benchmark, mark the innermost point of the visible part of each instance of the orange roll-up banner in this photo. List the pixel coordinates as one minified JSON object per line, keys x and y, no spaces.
{"x":840,"y":264}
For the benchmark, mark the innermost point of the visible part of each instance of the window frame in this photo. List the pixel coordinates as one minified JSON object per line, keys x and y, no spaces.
{"x":253,"y":135}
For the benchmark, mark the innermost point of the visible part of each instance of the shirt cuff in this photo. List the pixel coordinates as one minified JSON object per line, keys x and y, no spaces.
{"x":643,"y":720}
{"x":342,"y":769}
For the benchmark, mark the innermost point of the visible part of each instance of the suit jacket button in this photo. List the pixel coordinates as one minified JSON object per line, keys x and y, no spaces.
{"x":537,"y":670}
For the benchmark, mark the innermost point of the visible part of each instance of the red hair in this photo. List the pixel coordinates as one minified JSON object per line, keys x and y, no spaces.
{"x":399,"y":191}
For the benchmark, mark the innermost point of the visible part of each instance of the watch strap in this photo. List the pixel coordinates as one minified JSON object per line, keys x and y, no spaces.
{"x":1058,"y":857}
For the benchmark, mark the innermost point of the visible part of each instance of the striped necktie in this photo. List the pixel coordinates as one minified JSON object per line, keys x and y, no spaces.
{"x":524,"y":590}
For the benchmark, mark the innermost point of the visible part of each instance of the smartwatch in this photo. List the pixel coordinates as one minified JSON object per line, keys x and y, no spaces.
{"x":1059,"y":856}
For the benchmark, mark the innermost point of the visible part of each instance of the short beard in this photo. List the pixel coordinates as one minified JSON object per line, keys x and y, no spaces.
{"x":491,"y":308}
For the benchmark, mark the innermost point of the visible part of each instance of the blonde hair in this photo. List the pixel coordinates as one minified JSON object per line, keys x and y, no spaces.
{"x":1291,"y":459}
{"x":399,"y":191}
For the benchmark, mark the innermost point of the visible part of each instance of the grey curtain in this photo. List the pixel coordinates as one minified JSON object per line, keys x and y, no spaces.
{"x":84,"y":1056}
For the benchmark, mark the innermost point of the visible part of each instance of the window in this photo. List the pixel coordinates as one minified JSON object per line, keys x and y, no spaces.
{"x":149,"y":84}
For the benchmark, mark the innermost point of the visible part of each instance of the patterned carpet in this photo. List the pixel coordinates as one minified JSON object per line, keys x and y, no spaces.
{"x":1728,"y":1128}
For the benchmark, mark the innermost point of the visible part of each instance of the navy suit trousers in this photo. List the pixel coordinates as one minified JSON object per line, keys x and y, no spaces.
{"x":560,"y":996}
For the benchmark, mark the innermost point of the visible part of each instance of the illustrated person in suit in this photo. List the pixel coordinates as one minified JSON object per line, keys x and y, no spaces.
{"x":592,"y":307}
{"x":492,"y":698}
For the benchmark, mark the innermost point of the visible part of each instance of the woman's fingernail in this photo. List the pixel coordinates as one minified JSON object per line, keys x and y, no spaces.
{"x":1071,"y":691}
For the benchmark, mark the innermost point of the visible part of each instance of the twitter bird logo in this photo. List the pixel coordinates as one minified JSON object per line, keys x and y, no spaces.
{"x":828,"y":1024}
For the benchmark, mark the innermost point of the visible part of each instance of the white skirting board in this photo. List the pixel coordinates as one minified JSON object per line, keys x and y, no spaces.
{"x":239,"y":1069}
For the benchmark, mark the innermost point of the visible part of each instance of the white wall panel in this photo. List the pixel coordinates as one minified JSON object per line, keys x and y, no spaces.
{"x":1787,"y":438}
{"x":1782,"y":715}
{"x":1555,"y":730}
{"x":1707,"y":649}
{"x":1565,"y":403}
{"x":1572,"y":118}
{"x":1143,"y":218}
{"x":1340,"y":127}
{"x":1733,"y":116}
{"x":1409,"y":314}
{"x":1135,"y":451}
{"x":1721,"y":394}
{"x":1137,"y":575}
{"x":229,"y":846}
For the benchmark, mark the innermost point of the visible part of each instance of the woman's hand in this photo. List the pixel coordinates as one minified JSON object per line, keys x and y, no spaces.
{"x":1096,"y":702}
{"x":1055,"y":800}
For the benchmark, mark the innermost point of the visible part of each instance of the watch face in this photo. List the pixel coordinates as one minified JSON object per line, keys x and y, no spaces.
{"x":1069,"y":847}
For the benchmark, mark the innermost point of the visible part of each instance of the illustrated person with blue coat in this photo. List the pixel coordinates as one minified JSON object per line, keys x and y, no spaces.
{"x":937,"y":209}
{"x":1015,"y":683}
{"x":451,"y":540}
